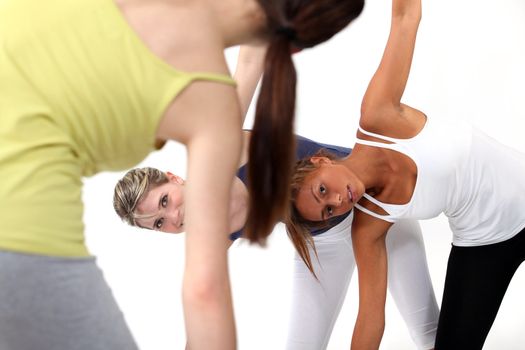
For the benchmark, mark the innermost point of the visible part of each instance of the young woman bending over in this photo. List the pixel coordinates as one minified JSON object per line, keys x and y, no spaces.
{"x":407,"y":165}
{"x":94,"y":85}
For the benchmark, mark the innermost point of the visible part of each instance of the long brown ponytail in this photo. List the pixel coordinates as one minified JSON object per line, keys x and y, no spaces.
{"x":291,"y":24}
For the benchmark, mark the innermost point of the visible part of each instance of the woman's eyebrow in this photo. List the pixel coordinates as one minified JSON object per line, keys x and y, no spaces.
{"x":317,"y":200}
{"x":315,"y":195}
{"x":160,"y":201}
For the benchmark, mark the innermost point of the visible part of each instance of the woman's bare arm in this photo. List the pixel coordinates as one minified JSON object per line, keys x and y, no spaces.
{"x":207,"y":119}
{"x":248,"y":72}
{"x":384,"y":92}
{"x":368,"y":239}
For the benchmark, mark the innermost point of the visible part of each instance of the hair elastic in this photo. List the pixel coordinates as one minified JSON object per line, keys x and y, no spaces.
{"x":288,"y":32}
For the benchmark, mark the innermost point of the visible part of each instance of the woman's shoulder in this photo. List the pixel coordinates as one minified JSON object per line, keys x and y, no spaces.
{"x":401,"y":123}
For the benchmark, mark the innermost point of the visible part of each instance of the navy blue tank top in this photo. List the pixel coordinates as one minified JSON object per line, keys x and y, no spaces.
{"x":304,"y":148}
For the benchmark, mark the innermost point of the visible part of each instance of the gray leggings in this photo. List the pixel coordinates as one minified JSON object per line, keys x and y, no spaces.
{"x":50,"y":303}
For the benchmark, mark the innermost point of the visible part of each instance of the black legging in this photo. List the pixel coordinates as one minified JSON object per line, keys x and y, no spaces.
{"x":477,"y":279}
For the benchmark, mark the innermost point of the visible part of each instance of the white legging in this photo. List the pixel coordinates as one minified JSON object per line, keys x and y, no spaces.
{"x":316,"y":304}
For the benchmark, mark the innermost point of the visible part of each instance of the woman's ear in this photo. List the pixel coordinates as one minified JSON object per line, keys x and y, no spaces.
{"x":318,"y":160}
{"x":175,"y":178}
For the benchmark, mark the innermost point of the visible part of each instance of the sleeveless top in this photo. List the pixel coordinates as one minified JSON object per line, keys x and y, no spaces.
{"x":473,"y":179}
{"x":80,"y":93}
{"x":303,"y":148}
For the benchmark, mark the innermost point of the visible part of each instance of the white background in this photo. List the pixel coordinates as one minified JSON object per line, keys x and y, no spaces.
{"x":469,"y":63}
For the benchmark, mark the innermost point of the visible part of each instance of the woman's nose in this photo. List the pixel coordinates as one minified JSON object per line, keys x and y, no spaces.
{"x":336,"y":200}
{"x":174,"y":217}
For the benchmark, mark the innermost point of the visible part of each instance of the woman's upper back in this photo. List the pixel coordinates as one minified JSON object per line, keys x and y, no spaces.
{"x":89,"y":73}
{"x":80,"y":94}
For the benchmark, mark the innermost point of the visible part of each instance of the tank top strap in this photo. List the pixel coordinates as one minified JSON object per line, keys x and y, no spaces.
{"x":393,"y":143}
{"x":392,"y":146}
{"x":215,"y":77}
{"x":375,"y":201}
{"x":387,"y":218}
{"x":378,"y":136}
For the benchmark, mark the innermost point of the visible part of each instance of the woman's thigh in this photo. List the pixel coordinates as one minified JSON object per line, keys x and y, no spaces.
{"x":315,"y":304}
{"x":409,"y":282}
{"x":49,"y":303}
{"x":476,"y":282}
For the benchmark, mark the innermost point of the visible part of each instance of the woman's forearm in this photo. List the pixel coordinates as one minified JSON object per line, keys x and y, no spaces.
{"x":208,"y":314}
{"x":368,"y":240}
{"x":208,"y":309}
{"x":406,"y":9}
{"x":368,"y":332}
{"x":250,"y":64}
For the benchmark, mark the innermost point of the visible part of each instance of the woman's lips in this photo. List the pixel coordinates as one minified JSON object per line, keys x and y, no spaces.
{"x":351,"y":195}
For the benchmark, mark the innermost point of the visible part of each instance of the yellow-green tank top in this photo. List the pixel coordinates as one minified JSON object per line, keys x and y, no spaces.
{"x":79,"y":93}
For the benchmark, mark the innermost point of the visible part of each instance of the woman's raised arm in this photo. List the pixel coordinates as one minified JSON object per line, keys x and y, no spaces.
{"x":248,"y":72}
{"x":386,"y":88}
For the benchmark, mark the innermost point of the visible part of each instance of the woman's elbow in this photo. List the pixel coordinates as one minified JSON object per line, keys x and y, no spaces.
{"x":408,"y":10}
{"x":370,"y":116}
{"x":204,"y":291}
{"x":201,"y":290}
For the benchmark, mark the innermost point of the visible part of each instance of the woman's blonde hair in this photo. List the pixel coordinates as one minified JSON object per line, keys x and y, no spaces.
{"x":132,"y":188}
{"x":298,"y":228}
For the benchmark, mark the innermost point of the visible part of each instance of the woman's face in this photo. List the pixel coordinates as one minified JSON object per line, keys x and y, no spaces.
{"x":330,"y":190}
{"x":164,"y":206}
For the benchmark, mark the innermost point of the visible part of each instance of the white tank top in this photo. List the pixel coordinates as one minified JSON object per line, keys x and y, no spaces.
{"x":477,"y":182}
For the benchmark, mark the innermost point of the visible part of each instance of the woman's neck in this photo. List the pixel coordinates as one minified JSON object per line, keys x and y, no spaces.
{"x":370,"y":165}
{"x":221,"y":23}
{"x":239,"y":21}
